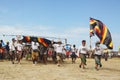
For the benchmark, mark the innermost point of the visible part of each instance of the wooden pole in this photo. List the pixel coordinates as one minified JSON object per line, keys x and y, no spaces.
{"x":90,"y":48}
{"x":90,"y":43}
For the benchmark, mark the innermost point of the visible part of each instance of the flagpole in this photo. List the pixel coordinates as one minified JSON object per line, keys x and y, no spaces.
{"x":90,"y":47}
{"x":90,"y":43}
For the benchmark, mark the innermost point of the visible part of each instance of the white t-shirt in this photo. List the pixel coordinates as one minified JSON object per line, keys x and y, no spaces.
{"x":19,"y":47}
{"x":12,"y":46}
{"x":83,"y":50}
{"x":35,"y":45}
{"x":98,"y":50}
{"x":73,"y":49}
{"x":58,"y":48}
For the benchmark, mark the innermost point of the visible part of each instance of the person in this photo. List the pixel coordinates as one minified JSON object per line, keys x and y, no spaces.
{"x":59,"y":50}
{"x":35,"y":54}
{"x":13,"y":50}
{"x":97,"y":55}
{"x":43,"y":53}
{"x":1,"y":53}
{"x":7,"y":49}
{"x":106,"y":54}
{"x":19,"y":51}
{"x":50,"y":50}
{"x":73,"y":53}
{"x":2,"y":44}
{"x":83,"y":50}
{"x":68,"y":50}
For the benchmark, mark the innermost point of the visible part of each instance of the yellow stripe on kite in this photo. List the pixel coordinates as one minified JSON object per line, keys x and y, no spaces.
{"x":39,"y":39}
{"x":97,"y":29}
{"x":111,"y":44}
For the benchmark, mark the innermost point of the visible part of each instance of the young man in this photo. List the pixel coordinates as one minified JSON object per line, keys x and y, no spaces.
{"x":73,"y":53}
{"x":83,"y":50}
{"x":13,"y":50}
{"x":19,"y":51}
{"x":59,"y":50}
{"x":97,"y":55}
{"x":106,"y":54}
{"x":7,"y":49}
{"x":35,"y":54}
{"x":1,"y":53}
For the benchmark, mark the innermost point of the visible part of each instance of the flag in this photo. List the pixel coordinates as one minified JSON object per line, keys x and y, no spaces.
{"x":102,"y":32}
{"x":26,"y":39}
{"x":43,"y":41}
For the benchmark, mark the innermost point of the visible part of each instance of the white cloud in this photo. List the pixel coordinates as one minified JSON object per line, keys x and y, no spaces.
{"x":10,"y":30}
{"x":78,"y":31}
{"x":43,"y":31}
{"x":25,"y":30}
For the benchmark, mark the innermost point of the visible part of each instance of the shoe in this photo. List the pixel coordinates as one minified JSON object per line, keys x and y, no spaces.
{"x":12,"y":62}
{"x":58,"y":65}
{"x":79,"y":66}
{"x":35,"y":62}
{"x":100,"y":65}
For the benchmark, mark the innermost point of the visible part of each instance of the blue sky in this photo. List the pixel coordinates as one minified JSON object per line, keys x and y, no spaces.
{"x":59,"y":18}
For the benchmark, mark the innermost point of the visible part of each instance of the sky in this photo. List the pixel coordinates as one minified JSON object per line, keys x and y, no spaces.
{"x":59,"y":18}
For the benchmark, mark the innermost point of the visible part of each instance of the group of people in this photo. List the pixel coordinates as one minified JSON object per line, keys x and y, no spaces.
{"x":11,"y":50}
{"x":56,"y":51}
{"x":97,"y":51}
{"x":83,"y":51}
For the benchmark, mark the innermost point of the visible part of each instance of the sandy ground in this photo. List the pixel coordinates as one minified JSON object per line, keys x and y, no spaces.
{"x":68,"y":71}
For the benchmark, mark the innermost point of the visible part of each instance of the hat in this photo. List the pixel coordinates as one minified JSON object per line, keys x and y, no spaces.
{"x":59,"y":41}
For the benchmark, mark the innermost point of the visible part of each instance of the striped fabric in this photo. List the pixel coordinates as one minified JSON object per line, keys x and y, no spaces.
{"x":102,"y":32}
{"x":43,"y":41}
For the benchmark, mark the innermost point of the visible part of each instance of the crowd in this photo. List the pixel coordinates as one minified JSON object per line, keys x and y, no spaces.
{"x":16,"y":50}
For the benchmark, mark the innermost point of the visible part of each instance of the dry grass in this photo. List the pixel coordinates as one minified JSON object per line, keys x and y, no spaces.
{"x":68,"y":71}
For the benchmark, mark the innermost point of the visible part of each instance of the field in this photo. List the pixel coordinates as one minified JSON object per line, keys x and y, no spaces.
{"x":67,"y":71}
